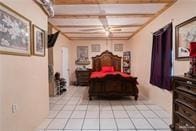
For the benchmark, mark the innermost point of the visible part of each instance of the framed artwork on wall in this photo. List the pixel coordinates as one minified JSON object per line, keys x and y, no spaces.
{"x":118,"y":47}
{"x":82,"y":55}
{"x":95,"y":48}
{"x":38,"y":41}
{"x":15,"y":32}
{"x":184,"y":35}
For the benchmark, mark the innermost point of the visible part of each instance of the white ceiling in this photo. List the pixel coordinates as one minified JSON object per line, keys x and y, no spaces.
{"x":108,"y":8}
{"x":91,"y":20}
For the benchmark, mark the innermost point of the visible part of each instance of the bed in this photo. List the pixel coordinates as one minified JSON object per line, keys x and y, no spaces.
{"x":107,"y":79}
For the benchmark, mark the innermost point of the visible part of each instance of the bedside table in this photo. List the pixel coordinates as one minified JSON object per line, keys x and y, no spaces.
{"x":82,"y":77}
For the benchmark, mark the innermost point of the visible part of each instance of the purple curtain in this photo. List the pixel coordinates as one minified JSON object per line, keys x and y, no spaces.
{"x":161,"y":63}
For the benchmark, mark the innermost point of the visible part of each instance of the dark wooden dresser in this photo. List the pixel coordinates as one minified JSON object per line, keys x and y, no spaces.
{"x":82,"y":77}
{"x":184,"y":104}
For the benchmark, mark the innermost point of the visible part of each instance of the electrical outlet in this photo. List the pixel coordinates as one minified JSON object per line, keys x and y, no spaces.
{"x":14,"y":108}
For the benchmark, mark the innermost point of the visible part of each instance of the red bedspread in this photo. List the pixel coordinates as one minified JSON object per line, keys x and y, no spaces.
{"x":103,"y":74}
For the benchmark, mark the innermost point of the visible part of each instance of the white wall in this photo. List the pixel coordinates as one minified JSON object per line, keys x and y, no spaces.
{"x":141,"y":47}
{"x":61,"y":42}
{"x":1,"y":86}
{"x":105,"y":45}
{"x":24,"y":80}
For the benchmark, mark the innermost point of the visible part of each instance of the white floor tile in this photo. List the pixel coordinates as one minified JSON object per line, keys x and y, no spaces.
{"x":141,"y":124}
{"x":167,"y":120}
{"x":124,"y":124}
{"x":104,"y":102}
{"x":145,"y":130}
{"x":158,"y":124}
{"x":93,"y":108}
{"x":106,"y":114}
{"x":72,"y":102}
{"x":105,"y":108}
{"x":135,"y":114}
{"x":69,"y":107}
{"x":57,"y":124}
{"x":149,"y":114}
{"x":120,"y":114}
{"x":81,"y":107}
{"x":74,"y":124}
{"x":154,"y":107}
{"x":91,"y":124}
{"x":113,"y":115}
{"x":162,"y":114}
{"x":90,"y":130}
{"x":45,"y":124}
{"x":142,"y":107}
{"x":52,"y":114}
{"x":78,"y":114}
{"x":64,"y":114}
{"x":83,"y":102}
{"x":107,"y":124}
{"x":115,"y":102}
{"x":92,"y":114}
{"x":130,"y":108}
{"x":164,"y":130}
{"x":117,"y":108}
{"x":128,"y":130}
{"x":61,"y":102}
{"x":71,"y":130}
{"x":94,"y":102}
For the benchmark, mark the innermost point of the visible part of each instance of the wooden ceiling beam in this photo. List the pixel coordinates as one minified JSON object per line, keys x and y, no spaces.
{"x":88,"y":16}
{"x":114,"y":32}
{"x":98,"y":26}
{"x":76,"y":2}
{"x":98,"y":38}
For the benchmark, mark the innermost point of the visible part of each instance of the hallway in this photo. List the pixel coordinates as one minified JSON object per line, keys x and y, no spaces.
{"x":72,"y":111}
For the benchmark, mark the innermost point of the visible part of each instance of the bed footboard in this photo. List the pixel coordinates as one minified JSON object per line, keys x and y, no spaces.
{"x":113,"y":85}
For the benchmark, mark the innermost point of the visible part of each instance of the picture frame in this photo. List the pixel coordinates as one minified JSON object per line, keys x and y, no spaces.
{"x":95,"y":47}
{"x":15,"y":32}
{"x":118,"y":47}
{"x":39,"y":40}
{"x":184,"y":34}
{"x":82,"y":53}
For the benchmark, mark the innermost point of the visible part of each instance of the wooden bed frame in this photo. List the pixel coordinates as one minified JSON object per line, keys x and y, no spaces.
{"x":111,"y":85}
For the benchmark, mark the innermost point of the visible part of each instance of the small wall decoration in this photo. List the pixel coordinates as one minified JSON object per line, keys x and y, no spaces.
{"x":118,"y":47}
{"x":15,"y":32}
{"x":39,"y":41}
{"x":127,"y":62}
{"x":82,"y":55}
{"x":185,"y":34}
{"x":95,"y":48}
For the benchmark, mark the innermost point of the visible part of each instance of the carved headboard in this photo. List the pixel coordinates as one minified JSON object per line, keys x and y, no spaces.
{"x":106,"y":59}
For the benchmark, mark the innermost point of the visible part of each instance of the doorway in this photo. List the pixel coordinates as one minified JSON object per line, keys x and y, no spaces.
{"x":65,"y":65}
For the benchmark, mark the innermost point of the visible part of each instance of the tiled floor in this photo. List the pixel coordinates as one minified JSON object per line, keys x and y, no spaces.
{"x":72,"y":111}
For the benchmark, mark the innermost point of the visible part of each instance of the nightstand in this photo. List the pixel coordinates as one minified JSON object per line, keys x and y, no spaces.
{"x":82,"y":77}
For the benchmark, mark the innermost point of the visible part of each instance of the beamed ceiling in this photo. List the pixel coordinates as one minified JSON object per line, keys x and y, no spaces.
{"x":91,"y":19}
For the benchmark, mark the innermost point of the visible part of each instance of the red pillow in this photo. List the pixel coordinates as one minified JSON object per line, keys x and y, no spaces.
{"x":107,"y":69}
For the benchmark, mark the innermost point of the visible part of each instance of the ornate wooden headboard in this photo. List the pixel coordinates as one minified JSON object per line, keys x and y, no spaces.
{"x":106,"y":59}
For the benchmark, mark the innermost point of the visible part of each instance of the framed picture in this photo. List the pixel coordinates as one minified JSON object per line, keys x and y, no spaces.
{"x":95,"y":48}
{"x":118,"y":47}
{"x":82,"y":53}
{"x":185,"y":33}
{"x":15,"y":32}
{"x":39,"y":41}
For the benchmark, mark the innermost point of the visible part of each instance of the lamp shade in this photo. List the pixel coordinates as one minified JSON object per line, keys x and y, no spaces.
{"x":192,"y":49}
